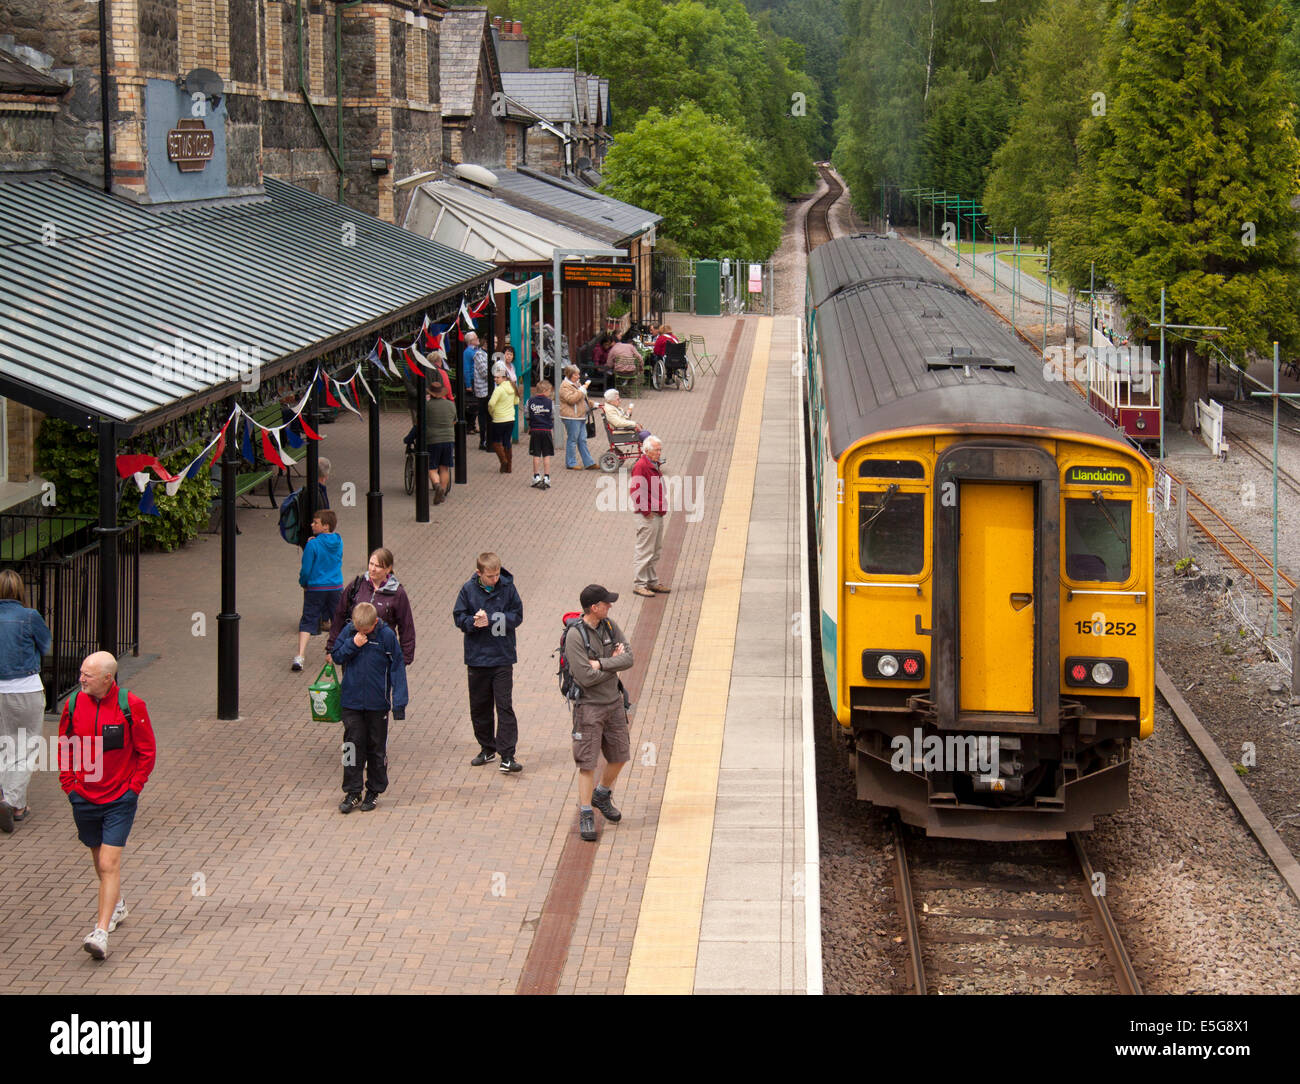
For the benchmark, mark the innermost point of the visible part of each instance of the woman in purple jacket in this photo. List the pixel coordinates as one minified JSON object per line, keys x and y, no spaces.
{"x":380,"y":588}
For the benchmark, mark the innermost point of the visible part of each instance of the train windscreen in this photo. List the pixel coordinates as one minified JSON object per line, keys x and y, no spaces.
{"x":1097,"y":534}
{"x":891,"y":531}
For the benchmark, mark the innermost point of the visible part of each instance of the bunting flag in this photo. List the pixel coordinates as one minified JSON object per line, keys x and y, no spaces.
{"x":410,"y":361}
{"x":134,"y":464}
{"x":329,"y":395}
{"x":195,"y":468}
{"x":430,"y":339}
{"x":246,"y":442}
{"x":141,"y":480}
{"x":392,"y":366}
{"x":465,"y":315}
{"x":369,"y":394}
{"x":373,"y":356}
{"x":272,"y":451}
{"x":308,"y":431}
{"x":482,"y":307}
{"x":292,"y":436}
{"x":220,"y":442}
{"x":149,"y":506}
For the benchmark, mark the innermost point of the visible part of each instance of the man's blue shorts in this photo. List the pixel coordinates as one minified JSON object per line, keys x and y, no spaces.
{"x":107,"y":823}
{"x":317,"y":608}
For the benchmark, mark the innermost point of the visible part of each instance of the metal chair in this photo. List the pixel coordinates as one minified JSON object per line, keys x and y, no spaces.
{"x":702,"y":358}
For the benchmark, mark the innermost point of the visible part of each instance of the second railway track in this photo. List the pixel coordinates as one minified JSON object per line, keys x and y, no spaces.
{"x":816,"y":224}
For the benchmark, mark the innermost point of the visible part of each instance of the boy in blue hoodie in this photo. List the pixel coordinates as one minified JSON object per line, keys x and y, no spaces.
{"x":373,"y":673}
{"x":321,"y":579}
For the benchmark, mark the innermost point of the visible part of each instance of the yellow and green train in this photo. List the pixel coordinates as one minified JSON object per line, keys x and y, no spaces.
{"x":985,"y":558}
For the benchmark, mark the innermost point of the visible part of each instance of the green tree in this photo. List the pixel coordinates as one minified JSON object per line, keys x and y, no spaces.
{"x":1060,"y":84}
{"x":700,"y":174}
{"x":1196,"y":167}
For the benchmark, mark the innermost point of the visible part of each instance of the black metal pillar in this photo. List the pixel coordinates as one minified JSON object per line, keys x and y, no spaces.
{"x":311,"y":502}
{"x":228,"y":619}
{"x":421,"y":453}
{"x":108,"y":533}
{"x":375,"y":495}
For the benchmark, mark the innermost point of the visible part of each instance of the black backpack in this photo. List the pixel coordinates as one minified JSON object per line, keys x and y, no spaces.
{"x":570,"y":689}
{"x":291,"y":517}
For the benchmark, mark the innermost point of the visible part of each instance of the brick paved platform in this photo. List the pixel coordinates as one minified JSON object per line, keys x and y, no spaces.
{"x":242,"y":876}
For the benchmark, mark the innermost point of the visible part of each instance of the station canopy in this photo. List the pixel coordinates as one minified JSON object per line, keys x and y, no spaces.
{"x":101,"y":298}
{"x":469,"y":219}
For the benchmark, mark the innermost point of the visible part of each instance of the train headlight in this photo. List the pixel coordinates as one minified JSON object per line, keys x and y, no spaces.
{"x":887,"y":665}
{"x":1102,"y":673}
{"x":1141,"y":422}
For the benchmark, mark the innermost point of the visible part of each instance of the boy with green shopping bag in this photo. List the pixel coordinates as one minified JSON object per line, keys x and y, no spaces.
{"x":373,"y":674}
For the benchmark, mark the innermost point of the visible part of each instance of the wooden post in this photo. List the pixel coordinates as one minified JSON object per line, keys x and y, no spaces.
{"x":1183,"y":548}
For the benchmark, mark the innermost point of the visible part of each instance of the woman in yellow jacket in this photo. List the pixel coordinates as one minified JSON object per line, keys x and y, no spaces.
{"x":501,"y":410}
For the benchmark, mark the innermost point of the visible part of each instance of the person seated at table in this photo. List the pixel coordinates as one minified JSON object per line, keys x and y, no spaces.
{"x":587,"y":353}
{"x":666,"y":336}
{"x":624,"y":357}
{"x":600,"y":356}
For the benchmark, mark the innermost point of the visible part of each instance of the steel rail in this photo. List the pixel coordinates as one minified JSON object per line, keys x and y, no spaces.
{"x":907,"y":908}
{"x":1261,"y":458}
{"x":1274,"y":847}
{"x":820,"y":210}
{"x":1120,"y":963}
{"x":1266,"y":566}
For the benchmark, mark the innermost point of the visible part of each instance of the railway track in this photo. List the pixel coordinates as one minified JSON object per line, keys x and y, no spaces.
{"x":1215,"y":528}
{"x":817,"y":223}
{"x":996,"y":917}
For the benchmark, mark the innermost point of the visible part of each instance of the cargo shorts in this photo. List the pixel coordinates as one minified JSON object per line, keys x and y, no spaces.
{"x":600,"y":728}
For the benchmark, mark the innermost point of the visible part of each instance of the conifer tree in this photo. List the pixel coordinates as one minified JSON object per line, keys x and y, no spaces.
{"x":1196,"y":165}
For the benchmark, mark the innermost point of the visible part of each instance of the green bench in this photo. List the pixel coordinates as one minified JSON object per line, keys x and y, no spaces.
{"x":249,"y":479}
{"x":41,"y":535}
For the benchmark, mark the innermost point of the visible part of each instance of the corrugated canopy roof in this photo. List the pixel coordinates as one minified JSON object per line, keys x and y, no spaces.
{"x":91,"y":286}
{"x":473,"y":222}
{"x":562,"y":201}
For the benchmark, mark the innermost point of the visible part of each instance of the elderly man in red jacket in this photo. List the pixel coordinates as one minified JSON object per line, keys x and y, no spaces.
{"x":646,"y":493}
{"x":105,"y":757}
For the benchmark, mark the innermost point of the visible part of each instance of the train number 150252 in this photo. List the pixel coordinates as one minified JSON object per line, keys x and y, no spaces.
{"x":1106,"y":628}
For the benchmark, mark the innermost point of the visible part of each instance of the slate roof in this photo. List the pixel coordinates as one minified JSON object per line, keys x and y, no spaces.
{"x":593,"y":100}
{"x":461,"y":45}
{"x":80,"y":319}
{"x":548,"y":92}
{"x":593,"y":213}
{"x":19,"y":78}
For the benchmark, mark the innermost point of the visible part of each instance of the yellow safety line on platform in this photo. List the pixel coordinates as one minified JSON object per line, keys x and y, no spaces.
{"x":668,"y":929}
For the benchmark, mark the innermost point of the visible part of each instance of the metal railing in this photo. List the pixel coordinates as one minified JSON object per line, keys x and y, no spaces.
{"x":58,"y":560}
{"x":675,"y":287}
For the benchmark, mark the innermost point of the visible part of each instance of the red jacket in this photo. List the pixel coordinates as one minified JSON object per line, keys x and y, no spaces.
{"x":646,"y":490}
{"x":104,"y":775}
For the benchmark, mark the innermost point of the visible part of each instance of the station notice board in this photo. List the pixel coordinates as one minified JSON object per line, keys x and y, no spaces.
{"x":598,"y":276}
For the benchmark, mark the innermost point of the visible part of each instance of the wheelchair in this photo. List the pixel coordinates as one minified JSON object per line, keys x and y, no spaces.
{"x":622,"y":447}
{"x":674,"y":367}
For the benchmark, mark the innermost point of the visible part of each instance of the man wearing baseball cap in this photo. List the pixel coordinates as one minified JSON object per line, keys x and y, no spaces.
{"x":596,"y":649}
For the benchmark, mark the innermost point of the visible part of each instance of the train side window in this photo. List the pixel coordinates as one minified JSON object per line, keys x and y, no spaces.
{"x":890,"y":468}
{"x":891,"y":531}
{"x":1097,"y":539}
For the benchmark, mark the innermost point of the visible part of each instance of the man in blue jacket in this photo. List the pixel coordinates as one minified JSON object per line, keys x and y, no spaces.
{"x":488,"y":610}
{"x":373,"y":670}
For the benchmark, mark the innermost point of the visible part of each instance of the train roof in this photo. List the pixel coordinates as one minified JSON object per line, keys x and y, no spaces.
{"x":918,"y":350}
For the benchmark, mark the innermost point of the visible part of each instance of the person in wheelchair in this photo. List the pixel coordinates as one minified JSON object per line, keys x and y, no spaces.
{"x":619,"y":416}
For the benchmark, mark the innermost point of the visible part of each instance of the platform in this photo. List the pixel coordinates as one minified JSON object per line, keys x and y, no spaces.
{"x":242,"y":876}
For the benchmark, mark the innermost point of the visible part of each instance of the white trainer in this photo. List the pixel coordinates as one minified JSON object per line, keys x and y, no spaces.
{"x":96,"y":943}
{"x":119,"y":913}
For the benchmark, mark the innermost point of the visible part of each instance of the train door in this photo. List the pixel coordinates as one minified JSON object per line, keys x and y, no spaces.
{"x":996,"y":590}
{"x":996,"y":624}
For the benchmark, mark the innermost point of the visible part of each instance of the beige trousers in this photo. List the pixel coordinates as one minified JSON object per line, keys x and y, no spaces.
{"x":649,"y":544}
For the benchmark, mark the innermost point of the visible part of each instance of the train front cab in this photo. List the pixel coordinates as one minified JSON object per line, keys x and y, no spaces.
{"x":995,"y":588}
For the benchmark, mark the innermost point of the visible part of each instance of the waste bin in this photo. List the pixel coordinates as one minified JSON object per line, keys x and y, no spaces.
{"x":708,"y":288}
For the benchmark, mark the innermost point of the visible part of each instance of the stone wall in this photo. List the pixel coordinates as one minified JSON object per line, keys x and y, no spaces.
{"x":21,"y":425}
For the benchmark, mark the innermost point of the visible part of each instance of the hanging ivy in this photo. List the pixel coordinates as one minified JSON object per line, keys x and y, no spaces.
{"x":68,"y":456}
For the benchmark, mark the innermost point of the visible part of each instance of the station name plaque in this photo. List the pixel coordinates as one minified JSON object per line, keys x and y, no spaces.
{"x":190,"y":145}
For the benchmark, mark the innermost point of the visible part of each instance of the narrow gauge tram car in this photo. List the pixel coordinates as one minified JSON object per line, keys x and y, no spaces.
{"x":985,"y":549}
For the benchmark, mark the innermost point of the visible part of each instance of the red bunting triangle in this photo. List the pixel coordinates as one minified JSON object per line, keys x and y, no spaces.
{"x":329,"y":395}
{"x":273,"y":454}
{"x":307,"y":430}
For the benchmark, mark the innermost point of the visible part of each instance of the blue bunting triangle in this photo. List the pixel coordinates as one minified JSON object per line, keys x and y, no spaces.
{"x":148,"y":506}
{"x":246,"y":445}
